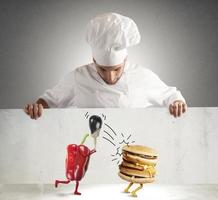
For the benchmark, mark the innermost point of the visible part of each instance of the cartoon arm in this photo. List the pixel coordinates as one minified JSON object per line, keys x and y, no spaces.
{"x":92,"y":151}
{"x":84,"y":138}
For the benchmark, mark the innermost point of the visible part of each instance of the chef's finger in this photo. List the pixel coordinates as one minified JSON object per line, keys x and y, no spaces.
{"x":175,"y":107}
{"x":184,"y":108}
{"x":171,"y":109}
{"x":35,"y":111}
{"x":26,"y":109}
{"x":31,"y":111}
{"x":179,"y":109}
{"x":40,"y":110}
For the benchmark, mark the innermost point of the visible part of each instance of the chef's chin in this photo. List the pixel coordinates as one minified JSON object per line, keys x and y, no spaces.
{"x":111,"y":83}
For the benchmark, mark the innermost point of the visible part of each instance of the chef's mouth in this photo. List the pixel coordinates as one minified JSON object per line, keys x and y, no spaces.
{"x":111,"y":82}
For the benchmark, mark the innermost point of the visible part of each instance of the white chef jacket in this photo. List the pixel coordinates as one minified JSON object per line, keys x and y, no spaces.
{"x":138,"y":87}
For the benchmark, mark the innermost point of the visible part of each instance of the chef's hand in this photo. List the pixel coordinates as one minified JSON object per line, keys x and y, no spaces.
{"x":177,"y":108}
{"x":35,"y":110}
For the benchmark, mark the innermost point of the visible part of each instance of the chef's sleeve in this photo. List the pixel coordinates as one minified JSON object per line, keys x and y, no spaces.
{"x":161,"y":94}
{"x":61,"y":95}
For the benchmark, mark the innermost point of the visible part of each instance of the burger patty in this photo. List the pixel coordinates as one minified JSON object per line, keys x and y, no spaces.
{"x":132,"y":165}
{"x":135,"y":179}
{"x":140,"y":173}
{"x":132,"y":176}
{"x":141,"y":155}
{"x":136,"y":159}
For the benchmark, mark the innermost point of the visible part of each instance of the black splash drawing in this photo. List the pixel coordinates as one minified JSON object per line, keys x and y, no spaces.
{"x":115,"y":139}
{"x":118,"y":140}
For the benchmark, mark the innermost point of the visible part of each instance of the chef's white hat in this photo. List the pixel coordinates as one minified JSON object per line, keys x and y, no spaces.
{"x":109,"y":35}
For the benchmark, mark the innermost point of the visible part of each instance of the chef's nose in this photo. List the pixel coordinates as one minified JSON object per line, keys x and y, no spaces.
{"x":110,"y":76}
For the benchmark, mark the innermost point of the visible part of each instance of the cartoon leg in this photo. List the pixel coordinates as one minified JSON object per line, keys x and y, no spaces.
{"x":127,"y":189}
{"x":76,"y":189}
{"x":64,"y":182}
{"x":133,"y":193}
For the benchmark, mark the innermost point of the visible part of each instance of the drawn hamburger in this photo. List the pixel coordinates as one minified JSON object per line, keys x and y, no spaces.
{"x":138,"y":166}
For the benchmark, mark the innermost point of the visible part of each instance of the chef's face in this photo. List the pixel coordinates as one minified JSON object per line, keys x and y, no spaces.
{"x":110,"y":74}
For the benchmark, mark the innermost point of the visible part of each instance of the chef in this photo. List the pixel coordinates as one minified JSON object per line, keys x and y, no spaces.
{"x":111,"y":80}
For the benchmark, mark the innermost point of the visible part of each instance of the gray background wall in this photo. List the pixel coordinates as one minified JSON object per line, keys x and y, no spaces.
{"x":40,"y":41}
